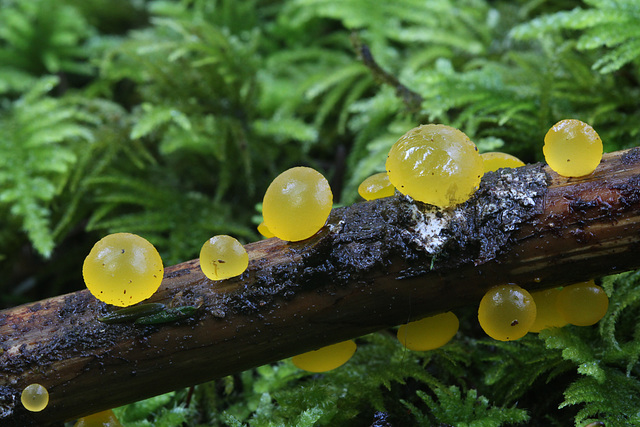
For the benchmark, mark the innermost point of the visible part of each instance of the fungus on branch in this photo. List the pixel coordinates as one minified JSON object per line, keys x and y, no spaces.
{"x":372,"y":264}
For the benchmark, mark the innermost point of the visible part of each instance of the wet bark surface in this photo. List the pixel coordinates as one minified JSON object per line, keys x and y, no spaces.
{"x":375,"y":265}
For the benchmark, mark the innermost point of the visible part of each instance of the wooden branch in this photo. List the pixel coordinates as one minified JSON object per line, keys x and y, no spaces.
{"x":375,"y":265}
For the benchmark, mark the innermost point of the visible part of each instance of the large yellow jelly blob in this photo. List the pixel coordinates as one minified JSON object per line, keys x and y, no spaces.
{"x":34,"y":397}
{"x":583,"y":304}
{"x":494,"y":160}
{"x":325,"y":358}
{"x":376,"y":186}
{"x":506,"y":312}
{"x":123,"y":269}
{"x":572,"y":148}
{"x":100,"y":419}
{"x":435,"y":164}
{"x":429,"y":333}
{"x":297,"y":204}
{"x":222,"y":257}
{"x":547,"y":313}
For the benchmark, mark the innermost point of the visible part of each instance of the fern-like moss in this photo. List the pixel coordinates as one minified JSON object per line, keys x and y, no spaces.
{"x":39,"y":143}
{"x":40,"y":37}
{"x":610,"y":24}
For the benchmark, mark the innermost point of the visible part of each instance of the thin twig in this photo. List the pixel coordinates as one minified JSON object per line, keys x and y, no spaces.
{"x":412,"y":100}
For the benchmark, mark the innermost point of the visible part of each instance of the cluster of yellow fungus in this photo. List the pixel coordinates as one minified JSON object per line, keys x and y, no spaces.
{"x":507,"y":312}
{"x":222,"y":257}
{"x":376,"y":186}
{"x":34,"y":397}
{"x":326,"y":358}
{"x":123,"y":269}
{"x":297,"y":204}
{"x":572,"y":148}
{"x":435,"y":164}
{"x":429,"y":333}
{"x":100,"y":419}
{"x":494,"y":160}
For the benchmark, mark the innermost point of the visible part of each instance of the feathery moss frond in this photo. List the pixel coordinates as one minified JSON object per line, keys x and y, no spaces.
{"x":615,"y":401}
{"x":451,"y":407}
{"x":609,"y":389}
{"x":40,"y":135}
{"x":610,"y":24}
{"x":42,"y":37}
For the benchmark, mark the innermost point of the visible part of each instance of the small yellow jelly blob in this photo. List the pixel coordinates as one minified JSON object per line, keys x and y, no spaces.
{"x":297,"y":204}
{"x":435,"y":164}
{"x":222,"y":257}
{"x":123,"y":269}
{"x":547,"y":313}
{"x":262,"y":229}
{"x":572,"y":148}
{"x":35,"y":397}
{"x":325,"y":358}
{"x":100,"y":419}
{"x":429,"y":333}
{"x":507,"y":312}
{"x":495,"y":160}
{"x":376,"y":187}
{"x":583,"y":304}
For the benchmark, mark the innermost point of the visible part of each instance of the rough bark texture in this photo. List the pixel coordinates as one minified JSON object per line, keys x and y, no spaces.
{"x":375,"y":265}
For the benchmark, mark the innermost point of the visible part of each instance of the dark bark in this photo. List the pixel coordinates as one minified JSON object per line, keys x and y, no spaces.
{"x":376,"y":264}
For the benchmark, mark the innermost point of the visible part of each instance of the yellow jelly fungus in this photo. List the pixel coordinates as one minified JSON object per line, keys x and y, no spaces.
{"x":297,"y":204}
{"x":507,"y":312}
{"x":325,"y":358}
{"x":35,"y":397}
{"x":572,"y":148}
{"x":547,"y":313}
{"x":435,"y":164}
{"x":429,"y":333}
{"x":262,"y":229}
{"x":222,"y":257}
{"x":495,"y":160}
{"x":100,"y":419}
{"x":123,"y":269}
{"x":376,"y":187}
{"x":583,"y":304}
